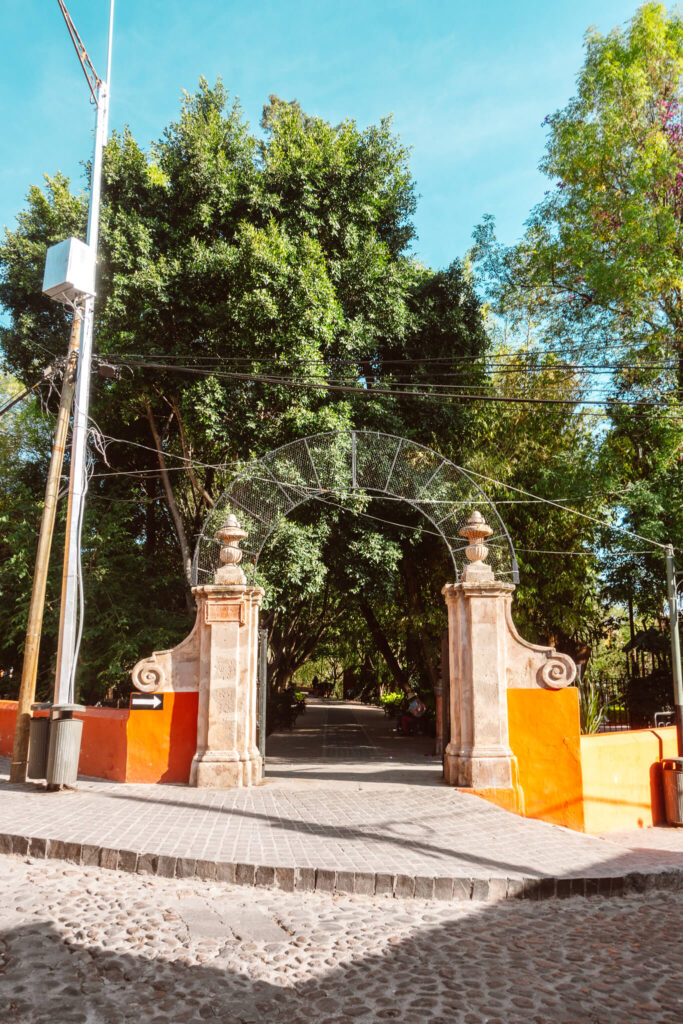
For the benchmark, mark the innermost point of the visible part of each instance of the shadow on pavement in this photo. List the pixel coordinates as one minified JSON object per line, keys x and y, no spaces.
{"x":339,"y":833}
{"x":625,"y":863}
{"x":562,"y":962}
{"x":401,"y":775}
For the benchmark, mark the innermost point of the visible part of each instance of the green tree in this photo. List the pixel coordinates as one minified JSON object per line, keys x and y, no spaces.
{"x":597,"y":280}
{"x":550,"y":451}
{"x":600,"y":263}
{"x":240,"y":277}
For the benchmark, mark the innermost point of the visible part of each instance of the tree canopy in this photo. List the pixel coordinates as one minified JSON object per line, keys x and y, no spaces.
{"x":596,"y":279}
{"x":259,"y":286}
{"x":242,"y":278}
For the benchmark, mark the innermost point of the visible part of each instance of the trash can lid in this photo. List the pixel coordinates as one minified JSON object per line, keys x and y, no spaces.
{"x":44,"y":706}
{"x":65,"y":710}
{"x":673,"y":764}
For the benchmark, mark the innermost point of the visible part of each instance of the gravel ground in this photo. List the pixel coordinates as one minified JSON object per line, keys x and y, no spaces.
{"x":83,"y":944}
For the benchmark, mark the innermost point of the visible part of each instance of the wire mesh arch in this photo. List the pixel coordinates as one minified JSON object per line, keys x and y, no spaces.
{"x":340,"y":464}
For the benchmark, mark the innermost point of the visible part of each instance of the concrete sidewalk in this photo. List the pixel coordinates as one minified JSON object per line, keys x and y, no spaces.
{"x":347,"y":806}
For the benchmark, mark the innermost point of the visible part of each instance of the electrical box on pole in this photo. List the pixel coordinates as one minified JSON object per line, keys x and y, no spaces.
{"x":69,"y":271}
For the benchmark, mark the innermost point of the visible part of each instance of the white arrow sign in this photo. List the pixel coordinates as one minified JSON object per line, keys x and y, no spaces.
{"x":146,"y":701}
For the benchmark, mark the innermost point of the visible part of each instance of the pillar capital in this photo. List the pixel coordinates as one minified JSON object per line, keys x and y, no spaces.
{"x":476,"y":588}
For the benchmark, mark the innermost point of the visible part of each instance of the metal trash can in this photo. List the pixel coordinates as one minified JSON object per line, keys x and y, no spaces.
{"x":672,"y":775}
{"x":38,"y":740}
{"x":64,"y":747}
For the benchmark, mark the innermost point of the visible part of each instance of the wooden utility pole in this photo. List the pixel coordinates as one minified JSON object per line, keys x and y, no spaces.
{"x":34,"y":627}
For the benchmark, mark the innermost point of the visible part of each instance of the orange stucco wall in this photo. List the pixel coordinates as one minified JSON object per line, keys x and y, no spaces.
{"x":8,"y":715}
{"x":161,"y":744}
{"x":622,"y":778}
{"x":544,"y":734}
{"x":129,"y":746}
{"x":103,"y":744}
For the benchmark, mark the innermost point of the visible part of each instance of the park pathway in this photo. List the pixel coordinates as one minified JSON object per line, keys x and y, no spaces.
{"x":338,"y":742}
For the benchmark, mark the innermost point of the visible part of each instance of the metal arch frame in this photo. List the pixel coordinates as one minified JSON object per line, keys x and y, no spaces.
{"x":285,"y":487}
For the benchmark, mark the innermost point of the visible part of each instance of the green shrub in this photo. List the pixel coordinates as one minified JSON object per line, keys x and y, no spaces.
{"x":391,"y":699}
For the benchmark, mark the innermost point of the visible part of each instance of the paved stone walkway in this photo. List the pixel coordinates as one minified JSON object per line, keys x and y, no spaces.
{"x":81,"y":945}
{"x":324,"y":821}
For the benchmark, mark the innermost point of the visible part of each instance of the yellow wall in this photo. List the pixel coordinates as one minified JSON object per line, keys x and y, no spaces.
{"x":622,"y":778}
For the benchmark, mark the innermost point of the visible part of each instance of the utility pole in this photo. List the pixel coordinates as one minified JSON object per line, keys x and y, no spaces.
{"x":677,"y":670}
{"x":34,"y":627}
{"x":71,"y":610}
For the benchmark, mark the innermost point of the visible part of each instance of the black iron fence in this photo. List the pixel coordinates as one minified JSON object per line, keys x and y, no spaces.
{"x":640,"y":702}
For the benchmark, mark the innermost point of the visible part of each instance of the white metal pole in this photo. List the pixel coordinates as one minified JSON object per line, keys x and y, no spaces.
{"x":71,"y":581}
{"x":676,"y":668}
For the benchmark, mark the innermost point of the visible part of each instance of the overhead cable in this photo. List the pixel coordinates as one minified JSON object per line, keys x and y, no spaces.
{"x":374,"y":392}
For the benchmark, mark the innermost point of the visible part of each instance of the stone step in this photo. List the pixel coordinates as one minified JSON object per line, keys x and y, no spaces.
{"x":367,"y":883}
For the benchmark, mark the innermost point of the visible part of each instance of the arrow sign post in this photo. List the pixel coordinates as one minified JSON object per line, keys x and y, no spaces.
{"x":146,"y":701}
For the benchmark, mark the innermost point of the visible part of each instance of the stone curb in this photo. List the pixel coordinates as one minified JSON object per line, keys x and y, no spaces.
{"x":366,"y":883}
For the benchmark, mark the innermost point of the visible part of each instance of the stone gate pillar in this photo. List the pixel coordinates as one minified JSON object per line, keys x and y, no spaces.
{"x":227,"y":612}
{"x":219,"y":659}
{"x":486,"y":658}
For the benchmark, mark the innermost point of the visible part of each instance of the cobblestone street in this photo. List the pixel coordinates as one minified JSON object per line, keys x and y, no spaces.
{"x":168,"y":938}
{"x":83,"y":945}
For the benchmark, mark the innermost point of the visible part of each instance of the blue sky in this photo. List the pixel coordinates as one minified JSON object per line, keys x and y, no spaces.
{"x":469,"y":84}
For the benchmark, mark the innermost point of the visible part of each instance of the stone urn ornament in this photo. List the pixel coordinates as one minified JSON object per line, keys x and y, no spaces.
{"x":230,"y":535}
{"x":476,"y":530}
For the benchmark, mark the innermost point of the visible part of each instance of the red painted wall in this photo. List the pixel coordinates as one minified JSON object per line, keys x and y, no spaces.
{"x":103,"y":744}
{"x":8,"y":716}
{"x":161,"y":744}
{"x":129,"y":746}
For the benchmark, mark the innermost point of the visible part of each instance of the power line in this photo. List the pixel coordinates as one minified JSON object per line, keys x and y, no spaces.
{"x":586,"y":554}
{"x":504,"y":360}
{"x":316,"y":492}
{"x":388,"y":522}
{"x":338,"y":491}
{"x":47,"y":374}
{"x":584,"y":515}
{"x":375,"y":392}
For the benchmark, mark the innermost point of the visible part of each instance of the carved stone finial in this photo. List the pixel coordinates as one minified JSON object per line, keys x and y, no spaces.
{"x":230,"y":533}
{"x":476,"y":530}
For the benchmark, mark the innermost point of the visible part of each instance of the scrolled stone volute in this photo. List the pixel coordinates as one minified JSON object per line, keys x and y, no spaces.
{"x":171,"y":671}
{"x":558,"y":671}
{"x":148,"y":676}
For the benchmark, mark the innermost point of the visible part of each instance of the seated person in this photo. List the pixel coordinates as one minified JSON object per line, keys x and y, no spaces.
{"x":416,"y":709}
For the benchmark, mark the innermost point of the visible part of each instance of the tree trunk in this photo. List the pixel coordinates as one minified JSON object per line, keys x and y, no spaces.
{"x":170,"y":498}
{"x":383,"y":647}
{"x":632,"y":655}
{"x":417,"y":609}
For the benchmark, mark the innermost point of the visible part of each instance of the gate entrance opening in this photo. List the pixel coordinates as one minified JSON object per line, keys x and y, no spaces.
{"x":342,"y":466}
{"x":486,"y":655}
